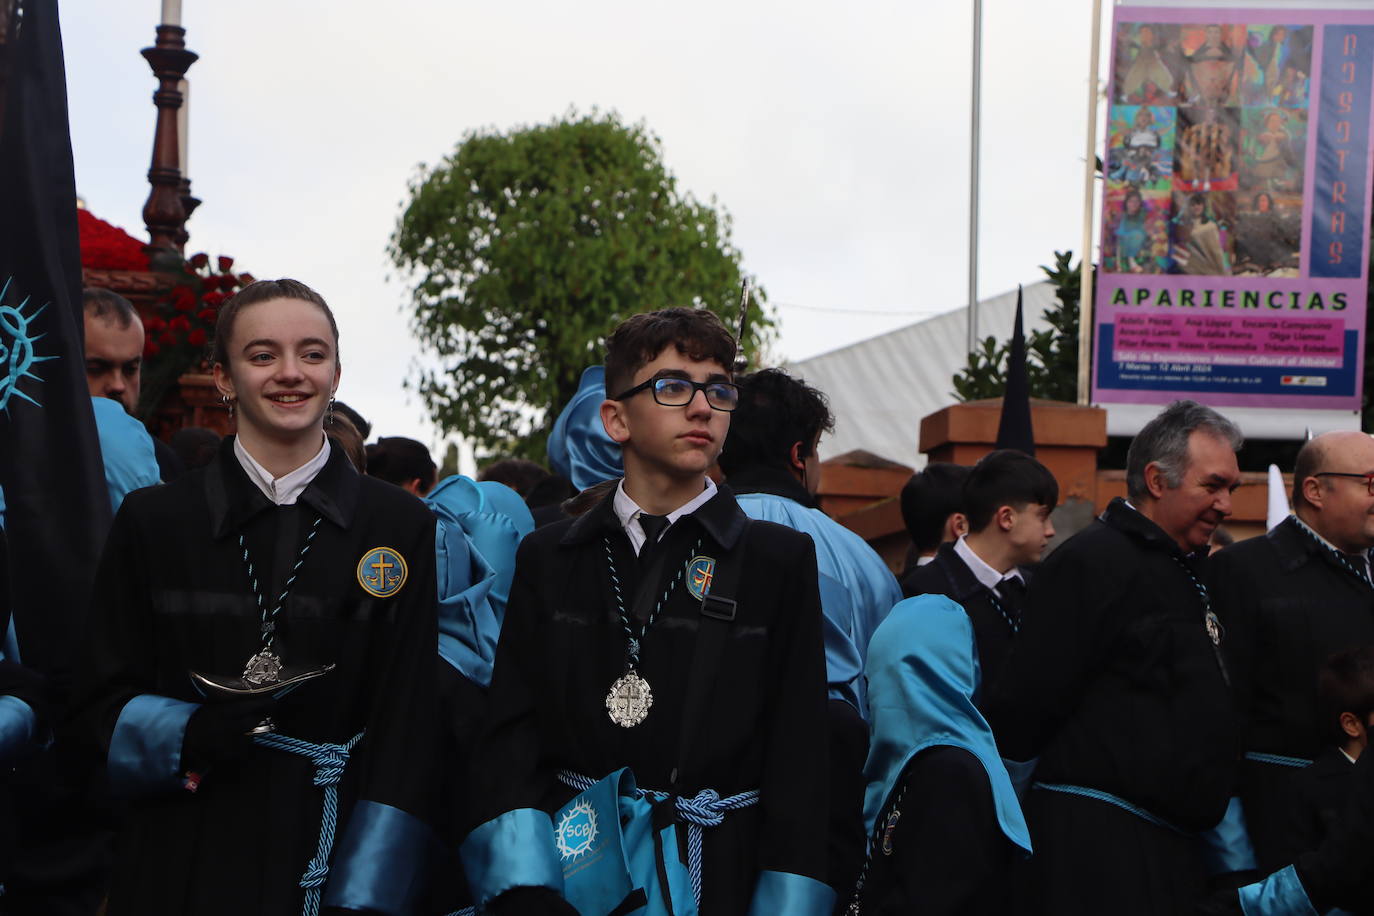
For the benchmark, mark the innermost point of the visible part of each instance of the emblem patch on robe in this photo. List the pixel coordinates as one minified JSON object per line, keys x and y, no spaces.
{"x":576,"y":831}
{"x":699,"y":574}
{"x":381,"y":572}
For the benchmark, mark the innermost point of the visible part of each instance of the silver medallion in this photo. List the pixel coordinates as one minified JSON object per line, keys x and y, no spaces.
{"x":263,"y":668}
{"x":1214,"y":630}
{"x":629,"y":700}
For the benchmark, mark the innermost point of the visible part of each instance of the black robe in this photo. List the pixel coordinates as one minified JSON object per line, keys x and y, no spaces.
{"x":1287,"y":605}
{"x":1115,"y":686}
{"x":947,"y":854}
{"x":172,"y":594}
{"x":950,"y":576}
{"x":1340,"y":872}
{"x":848,"y":730}
{"x":1320,"y":794}
{"x":764,"y":722}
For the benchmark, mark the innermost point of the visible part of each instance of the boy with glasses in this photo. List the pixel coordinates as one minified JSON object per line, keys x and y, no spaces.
{"x":1288,"y":601}
{"x":614,"y":618}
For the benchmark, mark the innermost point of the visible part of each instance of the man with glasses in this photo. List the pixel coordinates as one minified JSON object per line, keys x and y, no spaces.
{"x":665,"y":633}
{"x":1288,"y":601}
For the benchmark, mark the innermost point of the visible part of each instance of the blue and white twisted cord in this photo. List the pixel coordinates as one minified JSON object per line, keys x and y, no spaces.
{"x":330,"y":761}
{"x":705,"y":809}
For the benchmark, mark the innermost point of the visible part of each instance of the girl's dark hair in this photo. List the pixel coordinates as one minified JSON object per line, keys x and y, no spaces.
{"x":263,"y":291}
{"x":397,"y":460}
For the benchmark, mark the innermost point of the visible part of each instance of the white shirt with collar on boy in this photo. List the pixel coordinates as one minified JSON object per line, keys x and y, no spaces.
{"x":627,"y":510}
{"x":985,"y":574}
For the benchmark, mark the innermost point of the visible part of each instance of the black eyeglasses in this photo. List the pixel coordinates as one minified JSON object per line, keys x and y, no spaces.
{"x":1367,"y":478}
{"x":671,"y":391}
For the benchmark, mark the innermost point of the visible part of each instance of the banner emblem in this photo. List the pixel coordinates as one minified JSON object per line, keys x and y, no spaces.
{"x":17,"y":357}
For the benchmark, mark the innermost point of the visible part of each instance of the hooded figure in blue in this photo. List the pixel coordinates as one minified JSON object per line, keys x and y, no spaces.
{"x":479,"y":526}
{"x":940,"y":807}
{"x":579,"y":447}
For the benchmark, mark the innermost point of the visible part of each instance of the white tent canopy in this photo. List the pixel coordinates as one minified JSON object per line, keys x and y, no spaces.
{"x":880,"y":388}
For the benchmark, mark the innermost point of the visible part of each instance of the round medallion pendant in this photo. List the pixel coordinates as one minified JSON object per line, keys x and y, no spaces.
{"x":263,"y":668}
{"x":629,"y":700}
{"x":1214,"y":630}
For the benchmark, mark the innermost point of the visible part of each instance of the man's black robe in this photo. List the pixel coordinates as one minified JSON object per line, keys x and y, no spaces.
{"x":173,"y":595}
{"x":1115,"y":686}
{"x":1287,"y":605}
{"x":764,"y":723}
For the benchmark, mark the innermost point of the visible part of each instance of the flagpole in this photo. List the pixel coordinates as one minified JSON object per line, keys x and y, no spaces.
{"x":1086,"y":330}
{"x":973,"y":177}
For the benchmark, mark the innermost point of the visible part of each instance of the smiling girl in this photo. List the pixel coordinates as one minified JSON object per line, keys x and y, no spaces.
{"x":276,"y":561}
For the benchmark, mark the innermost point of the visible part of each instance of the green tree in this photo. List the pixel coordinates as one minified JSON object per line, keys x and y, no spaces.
{"x":524,"y":249}
{"x":1051,"y":353}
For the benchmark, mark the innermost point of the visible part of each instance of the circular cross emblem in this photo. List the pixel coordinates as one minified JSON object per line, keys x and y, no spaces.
{"x":629,"y":700}
{"x":382,"y":572}
{"x":699,"y":574}
{"x":576,"y":831}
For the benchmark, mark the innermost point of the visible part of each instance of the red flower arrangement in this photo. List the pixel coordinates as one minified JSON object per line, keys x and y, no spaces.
{"x":182,"y":322}
{"x":184,"y":319}
{"x":107,"y":247}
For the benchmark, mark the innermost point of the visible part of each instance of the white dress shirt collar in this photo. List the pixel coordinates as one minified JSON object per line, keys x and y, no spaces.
{"x":627,"y":510}
{"x":286,"y":489}
{"x":984,"y":573}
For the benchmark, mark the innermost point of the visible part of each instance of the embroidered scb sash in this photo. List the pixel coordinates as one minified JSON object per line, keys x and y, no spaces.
{"x":611,"y":857}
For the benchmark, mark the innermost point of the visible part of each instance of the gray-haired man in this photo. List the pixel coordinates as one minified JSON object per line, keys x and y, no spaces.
{"x":1119,"y":687}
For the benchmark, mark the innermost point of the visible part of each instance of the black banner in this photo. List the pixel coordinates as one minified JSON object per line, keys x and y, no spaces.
{"x":57,"y":508}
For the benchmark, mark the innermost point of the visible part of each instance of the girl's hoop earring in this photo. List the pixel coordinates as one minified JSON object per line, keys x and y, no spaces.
{"x":228,"y":404}
{"x":329,"y":412}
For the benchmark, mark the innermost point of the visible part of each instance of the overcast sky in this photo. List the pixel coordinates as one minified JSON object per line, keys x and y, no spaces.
{"x":837,"y":138}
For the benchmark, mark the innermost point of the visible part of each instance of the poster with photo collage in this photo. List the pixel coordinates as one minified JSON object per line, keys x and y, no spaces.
{"x":1235,"y":207}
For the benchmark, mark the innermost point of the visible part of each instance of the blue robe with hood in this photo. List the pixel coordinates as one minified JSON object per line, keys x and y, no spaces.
{"x":958,"y":823}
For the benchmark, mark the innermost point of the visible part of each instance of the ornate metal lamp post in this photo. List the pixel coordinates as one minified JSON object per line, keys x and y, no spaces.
{"x":167,"y":208}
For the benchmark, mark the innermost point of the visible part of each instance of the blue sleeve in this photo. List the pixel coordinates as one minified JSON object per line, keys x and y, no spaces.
{"x":145,"y":749}
{"x":18,"y":728}
{"x":1280,"y":894}
{"x":382,"y":862}
{"x":514,"y":850}
{"x":126,"y":449}
{"x":796,"y":895}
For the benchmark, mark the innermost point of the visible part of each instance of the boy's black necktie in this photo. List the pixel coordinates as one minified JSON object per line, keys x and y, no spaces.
{"x":652,"y":526}
{"x":1013,"y":592}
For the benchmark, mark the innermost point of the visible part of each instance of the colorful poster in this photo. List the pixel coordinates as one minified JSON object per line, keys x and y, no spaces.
{"x":1236,"y":212}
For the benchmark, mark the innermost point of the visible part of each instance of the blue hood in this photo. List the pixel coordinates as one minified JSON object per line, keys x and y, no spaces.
{"x":922,"y":674}
{"x":126,"y":449}
{"x":478,"y":528}
{"x":579,"y":447}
